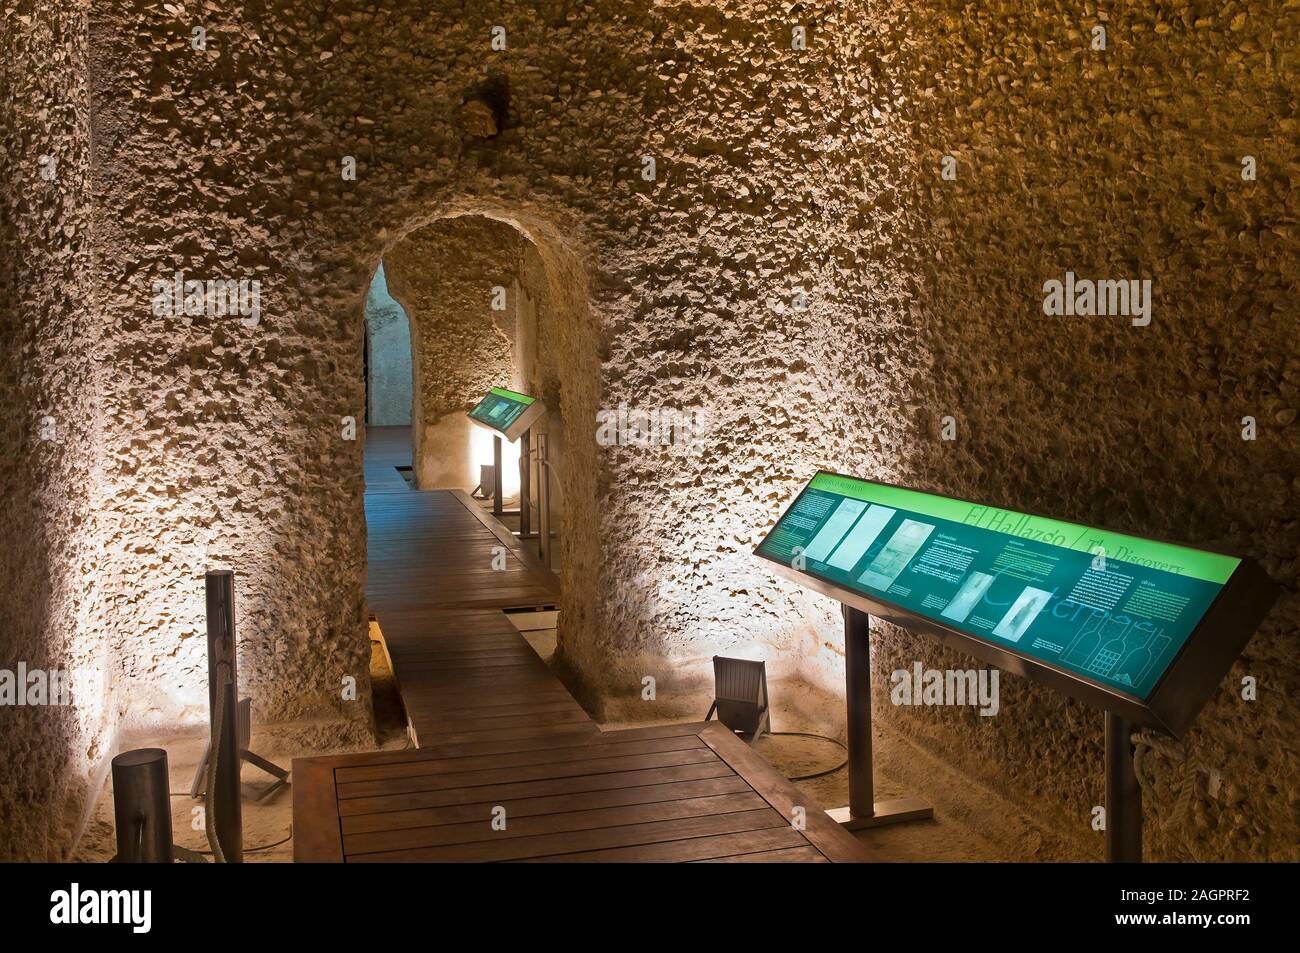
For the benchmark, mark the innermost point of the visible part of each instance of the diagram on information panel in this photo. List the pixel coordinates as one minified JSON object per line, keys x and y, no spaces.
{"x":1120,"y":652}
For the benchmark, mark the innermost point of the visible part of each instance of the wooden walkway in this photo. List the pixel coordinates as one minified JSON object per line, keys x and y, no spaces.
{"x":434,"y":549}
{"x":464,"y":671}
{"x":500,"y":738}
{"x":647,"y":795}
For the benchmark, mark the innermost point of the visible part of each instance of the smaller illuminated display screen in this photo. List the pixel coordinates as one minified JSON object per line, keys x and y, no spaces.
{"x":501,"y":408}
{"x":1110,"y":609}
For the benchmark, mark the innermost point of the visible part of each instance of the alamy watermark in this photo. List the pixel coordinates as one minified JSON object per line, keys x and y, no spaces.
{"x":214,"y":298}
{"x":1084,"y":297}
{"x":950,"y":687}
{"x":34,"y":687}
{"x":659,"y":427}
{"x":76,"y":905}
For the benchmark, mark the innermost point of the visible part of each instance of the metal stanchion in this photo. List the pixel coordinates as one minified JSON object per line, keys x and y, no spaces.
{"x":863,"y":810}
{"x":543,"y":502}
{"x":142,"y":809}
{"x":496,"y":477}
{"x":525,"y":475}
{"x":857,"y":696}
{"x":1123,"y":795}
{"x":223,"y":706}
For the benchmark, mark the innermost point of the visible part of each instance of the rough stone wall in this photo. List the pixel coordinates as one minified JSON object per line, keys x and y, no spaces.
{"x":50,"y":755}
{"x":229,"y":443}
{"x":275,"y":101}
{"x":1122,"y":163}
{"x":445,"y":274}
{"x":795,"y":269}
{"x":777,"y":294}
{"x":389,"y":388}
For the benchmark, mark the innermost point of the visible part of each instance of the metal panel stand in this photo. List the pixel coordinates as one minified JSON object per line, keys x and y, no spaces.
{"x":1123,"y":795}
{"x":496,"y":476}
{"x":223,"y":682}
{"x":543,"y":502}
{"x":525,"y":474}
{"x":863,"y":809}
{"x":197,"y":786}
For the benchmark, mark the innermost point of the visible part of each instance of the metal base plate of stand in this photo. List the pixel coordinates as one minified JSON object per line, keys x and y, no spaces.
{"x":245,"y":731}
{"x":863,"y":809}
{"x":894,"y":811}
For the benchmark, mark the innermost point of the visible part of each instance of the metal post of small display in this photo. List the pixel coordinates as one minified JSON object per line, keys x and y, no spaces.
{"x":525,"y":474}
{"x":543,"y":502}
{"x":223,"y":685}
{"x":496,"y":476}
{"x":857,"y":697}
{"x":1123,"y":795}
{"x":863,"y":809}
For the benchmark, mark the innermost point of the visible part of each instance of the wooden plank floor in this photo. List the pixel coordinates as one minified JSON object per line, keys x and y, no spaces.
{"x":434,"y":549}
{"x":647,"y":795}
{"x":464,"y":671}
{"x":496,"y":731}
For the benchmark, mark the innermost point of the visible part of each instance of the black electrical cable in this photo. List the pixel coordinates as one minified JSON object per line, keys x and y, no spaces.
{"x":253,"y":850}
{"x":809,"y":734}
{"x":247,"y":850}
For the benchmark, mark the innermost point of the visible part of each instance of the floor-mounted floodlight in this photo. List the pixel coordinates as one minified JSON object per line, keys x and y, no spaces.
{"x":245,"y":734}
{"x":740,"y":696}
{"x":486,"y":489}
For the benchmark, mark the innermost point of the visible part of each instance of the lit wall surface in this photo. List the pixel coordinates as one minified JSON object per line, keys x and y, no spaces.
{"x":797,"y":268}
{"x":54,"y":620}
{"x":390,"y":389}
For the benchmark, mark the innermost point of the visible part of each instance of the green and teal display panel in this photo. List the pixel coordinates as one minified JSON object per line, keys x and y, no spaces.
{"x":1098,"y":607}
{"x":507,"y":412}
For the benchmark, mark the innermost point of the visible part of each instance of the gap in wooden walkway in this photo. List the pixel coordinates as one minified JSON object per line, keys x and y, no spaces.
{"x":508,"y":766}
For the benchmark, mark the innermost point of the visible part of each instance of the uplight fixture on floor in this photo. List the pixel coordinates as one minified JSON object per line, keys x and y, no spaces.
{"x":740,"y":696}
{"x":487,"y":475}
{"x":741,"y":701}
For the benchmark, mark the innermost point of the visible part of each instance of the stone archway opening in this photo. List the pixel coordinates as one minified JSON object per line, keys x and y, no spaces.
{"x":500,"y":299}
{"x":472,"y":285}
{"x":388,"y":357}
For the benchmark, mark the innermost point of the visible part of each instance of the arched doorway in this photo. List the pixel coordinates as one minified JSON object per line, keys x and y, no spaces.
{"x":389,"y":382}
{"x":500,"y":300}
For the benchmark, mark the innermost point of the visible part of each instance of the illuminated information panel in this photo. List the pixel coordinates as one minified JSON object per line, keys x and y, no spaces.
{"x":506,"y":412}
{"x":1088,"y":607}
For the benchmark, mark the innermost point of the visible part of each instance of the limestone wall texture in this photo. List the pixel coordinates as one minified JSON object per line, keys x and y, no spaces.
{"x":1122,"y":163}
{"x":49,"y":754}
{"x":793,"y":267}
